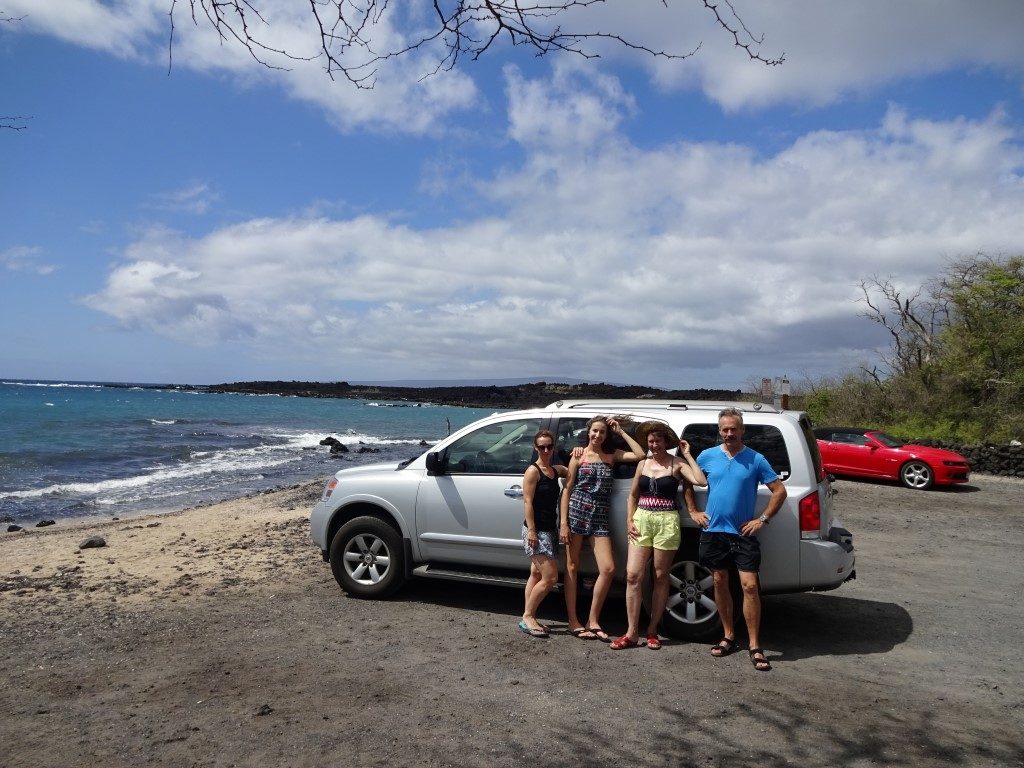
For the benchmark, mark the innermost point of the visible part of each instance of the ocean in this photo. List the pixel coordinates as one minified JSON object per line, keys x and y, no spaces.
{"x":87,"y":450}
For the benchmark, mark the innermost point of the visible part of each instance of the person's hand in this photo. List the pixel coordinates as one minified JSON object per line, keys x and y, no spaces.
{"x":563,"y":533}
{"x":684,"y":448}
{"x":531,"y":538}
{"x":577,"y":453}
{"x":613,"y":425}
{"x":751,"y":527}
{"x":700,"y":518}
{"x":634,"y":532}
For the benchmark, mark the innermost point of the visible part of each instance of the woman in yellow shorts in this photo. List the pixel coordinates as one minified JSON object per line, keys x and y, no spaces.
{"x":652,"y":519}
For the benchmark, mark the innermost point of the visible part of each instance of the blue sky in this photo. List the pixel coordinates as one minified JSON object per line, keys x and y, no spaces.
{"x":701,"y":222}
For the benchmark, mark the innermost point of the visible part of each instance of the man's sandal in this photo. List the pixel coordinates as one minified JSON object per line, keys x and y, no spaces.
{"x":762,"y":664}
{"x":725,"y":646}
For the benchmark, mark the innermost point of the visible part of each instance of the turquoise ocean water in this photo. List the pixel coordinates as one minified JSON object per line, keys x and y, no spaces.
{"x":73,"y":450}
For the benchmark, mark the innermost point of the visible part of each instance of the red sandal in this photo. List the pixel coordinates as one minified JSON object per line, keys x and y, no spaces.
{"x":623,"y":642}
{"x":653,"y":642}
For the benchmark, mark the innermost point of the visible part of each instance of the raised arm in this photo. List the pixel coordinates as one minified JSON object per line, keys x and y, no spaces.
{"x":636,"y":453}
{"x":689,"y":468}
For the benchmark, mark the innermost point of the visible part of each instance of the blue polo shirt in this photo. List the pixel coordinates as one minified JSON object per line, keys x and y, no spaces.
{"x":732,"y":486}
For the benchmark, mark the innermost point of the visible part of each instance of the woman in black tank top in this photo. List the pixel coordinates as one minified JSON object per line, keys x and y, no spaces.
{"x":541,"y":490}
{"x":652,"y":520}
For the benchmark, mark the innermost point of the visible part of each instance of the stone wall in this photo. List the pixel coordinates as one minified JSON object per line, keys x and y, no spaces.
{"x":1005,"y":460}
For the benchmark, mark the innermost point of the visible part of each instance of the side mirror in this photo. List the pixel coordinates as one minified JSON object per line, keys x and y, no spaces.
{"x":435,"y":463}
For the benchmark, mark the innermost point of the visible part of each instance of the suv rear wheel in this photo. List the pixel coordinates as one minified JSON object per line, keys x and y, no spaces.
{"x":367,"y":558}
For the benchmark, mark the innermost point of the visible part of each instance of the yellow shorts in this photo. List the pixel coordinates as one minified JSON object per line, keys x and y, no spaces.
{"x":659,"y":530}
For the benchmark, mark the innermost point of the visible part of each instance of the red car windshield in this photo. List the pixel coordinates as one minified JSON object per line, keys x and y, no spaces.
{"x":887,"y":440}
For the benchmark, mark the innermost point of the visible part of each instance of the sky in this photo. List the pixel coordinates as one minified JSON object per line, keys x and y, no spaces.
{"x":687,"y":222}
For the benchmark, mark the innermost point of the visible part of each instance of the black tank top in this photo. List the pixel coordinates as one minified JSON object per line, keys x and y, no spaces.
{"x":545,"y":502}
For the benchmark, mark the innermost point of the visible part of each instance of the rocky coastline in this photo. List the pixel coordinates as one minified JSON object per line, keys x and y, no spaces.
{"x":531,"y":395}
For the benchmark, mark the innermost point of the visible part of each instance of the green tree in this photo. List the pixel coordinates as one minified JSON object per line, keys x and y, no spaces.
{"x":954,"y":369}
{"x":982,"y":346}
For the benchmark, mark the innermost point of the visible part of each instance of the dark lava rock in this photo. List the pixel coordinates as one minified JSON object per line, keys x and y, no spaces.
{"x":6,"y":519}
{"x":93,"y":542}
{"x":368,"y":449}
{"x":13,"y":528}
{"x":336,"y":445}
{"x":266,"y":709}
{"x":44,"y":523}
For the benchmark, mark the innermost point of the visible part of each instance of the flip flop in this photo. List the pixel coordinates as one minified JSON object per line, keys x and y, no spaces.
{"x":600,"y":634}
{"x":538,"y":633}
{"x":582,"y":633}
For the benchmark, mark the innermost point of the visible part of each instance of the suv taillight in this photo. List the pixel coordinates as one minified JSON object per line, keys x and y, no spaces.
{"x":810,"y":516}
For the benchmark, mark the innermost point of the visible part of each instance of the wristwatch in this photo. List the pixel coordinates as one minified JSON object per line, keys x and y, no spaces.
{"x":764,"y":519}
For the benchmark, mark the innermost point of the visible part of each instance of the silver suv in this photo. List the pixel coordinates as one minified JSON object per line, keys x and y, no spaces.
{"x":456,"y":511}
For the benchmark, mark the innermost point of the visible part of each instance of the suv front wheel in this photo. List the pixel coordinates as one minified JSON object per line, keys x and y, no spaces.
{"x":691,"y":613}
{"x":367,"y":558}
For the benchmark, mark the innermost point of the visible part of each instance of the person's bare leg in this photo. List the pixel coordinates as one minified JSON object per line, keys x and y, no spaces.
{"x":752,"y":610}
{"x":723,"y":601}
{"x":572,"y":569}
{"x":531,"y":582}
{"x":547,"y":575}
{"x":605,"y":573}
{"x":659,"y":592}
{"x":636,"y":564}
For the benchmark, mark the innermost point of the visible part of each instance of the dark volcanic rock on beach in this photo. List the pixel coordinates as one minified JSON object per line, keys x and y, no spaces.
{"x":515,"y":396}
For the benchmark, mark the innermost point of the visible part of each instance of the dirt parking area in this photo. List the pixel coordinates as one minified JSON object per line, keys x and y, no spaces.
{"x":219,"y":638}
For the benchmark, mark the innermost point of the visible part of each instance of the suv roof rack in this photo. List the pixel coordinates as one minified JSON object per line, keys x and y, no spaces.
{"x":665,"y":405}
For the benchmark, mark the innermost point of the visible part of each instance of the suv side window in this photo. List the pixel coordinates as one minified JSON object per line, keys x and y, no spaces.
{"x":570,"y":433}
{"x":763,"y":438}
{"x":505,"y":448}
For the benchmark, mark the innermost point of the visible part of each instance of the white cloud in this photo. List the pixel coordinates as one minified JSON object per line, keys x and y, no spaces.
{"x":833,"y":50}
{"x":25,"y":258}
{"x":609,"y":261}
{"x":195,"y":198}
{"x":402,"y":99}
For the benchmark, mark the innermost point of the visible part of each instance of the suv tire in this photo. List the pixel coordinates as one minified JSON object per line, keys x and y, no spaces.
{"x":367,"y":558}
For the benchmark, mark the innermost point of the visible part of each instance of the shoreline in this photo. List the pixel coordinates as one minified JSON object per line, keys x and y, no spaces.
{"x":147,"y":557}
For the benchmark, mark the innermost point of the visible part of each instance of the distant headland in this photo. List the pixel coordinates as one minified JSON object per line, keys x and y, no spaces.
{"x":530,"y":395}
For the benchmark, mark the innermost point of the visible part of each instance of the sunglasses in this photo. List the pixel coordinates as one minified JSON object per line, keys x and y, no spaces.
{"x":547,"y":447}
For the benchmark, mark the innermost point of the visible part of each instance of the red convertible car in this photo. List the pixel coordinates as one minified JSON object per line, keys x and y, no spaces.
{"x":867,"y":453}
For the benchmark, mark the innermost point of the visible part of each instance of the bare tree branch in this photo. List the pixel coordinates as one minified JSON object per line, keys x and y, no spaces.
{"x":913,"y":320}
{"x":14,"y":123}
{"x":461,"y":28}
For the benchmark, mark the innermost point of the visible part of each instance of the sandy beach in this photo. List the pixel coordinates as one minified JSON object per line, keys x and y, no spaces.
{"x":217,"y":637}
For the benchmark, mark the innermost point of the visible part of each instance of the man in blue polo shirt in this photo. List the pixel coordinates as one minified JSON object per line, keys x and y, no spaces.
{"x":734,"y":471}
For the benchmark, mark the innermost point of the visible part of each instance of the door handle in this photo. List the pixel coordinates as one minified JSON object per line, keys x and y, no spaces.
{"x":515,"y":492}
